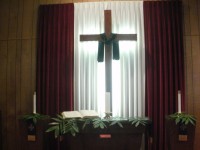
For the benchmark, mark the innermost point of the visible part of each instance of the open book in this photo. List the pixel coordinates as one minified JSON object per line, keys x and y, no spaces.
{"x":80,"y":114}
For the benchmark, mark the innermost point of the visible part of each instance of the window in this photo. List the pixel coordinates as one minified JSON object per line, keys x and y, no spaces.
{"x":127,"y":74}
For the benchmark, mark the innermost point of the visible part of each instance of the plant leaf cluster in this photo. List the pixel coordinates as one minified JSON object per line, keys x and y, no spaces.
{"x":62,"y":125}
{"x":116,"y":122}
{"x":183,"y":118}
{"x":138,"y":121}
{"x":98,"y":123}
{"x":35,"y":117}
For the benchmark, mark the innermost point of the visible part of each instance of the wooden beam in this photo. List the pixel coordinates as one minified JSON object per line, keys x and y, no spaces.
{"x":120,"y":37}
{"x":107,"y":22}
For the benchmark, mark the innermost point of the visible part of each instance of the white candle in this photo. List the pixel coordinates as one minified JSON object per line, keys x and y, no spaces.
{"x":107,"y":102}
{"x":34,"y":103}
{"x":179,"y":101}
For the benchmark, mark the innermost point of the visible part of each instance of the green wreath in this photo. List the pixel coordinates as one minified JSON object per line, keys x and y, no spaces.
{"x":108,"y":41}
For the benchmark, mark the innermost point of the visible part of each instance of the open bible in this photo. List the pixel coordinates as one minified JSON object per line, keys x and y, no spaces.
{"x":80,"y":114}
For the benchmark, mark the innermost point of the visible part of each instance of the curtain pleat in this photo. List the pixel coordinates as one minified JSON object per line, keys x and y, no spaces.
{"x":164,"y":64}
{"x":55,"y":59}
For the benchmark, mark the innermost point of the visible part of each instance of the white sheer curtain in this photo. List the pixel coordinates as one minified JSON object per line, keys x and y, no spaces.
{"x":128,"y":73}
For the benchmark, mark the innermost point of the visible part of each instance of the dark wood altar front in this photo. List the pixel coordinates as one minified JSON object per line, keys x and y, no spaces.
{"x":111,"y":138}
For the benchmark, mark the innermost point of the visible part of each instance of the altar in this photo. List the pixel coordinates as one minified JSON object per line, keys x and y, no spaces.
{"x":123,"y":135}
{"x":110,"y":138}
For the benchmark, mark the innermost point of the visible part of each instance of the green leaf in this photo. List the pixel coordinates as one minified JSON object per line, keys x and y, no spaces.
{"x":56,"y":133}
{"x":34,"y":117}
{"x":34,"y":120}
{"x":56,"y":119}
{"x":139,"y":121}
{"x":116,"y":122}
{"x":98,"y":122}
{"x":119,"y":123}
{"x":87,"y":121}
{"x":134,"y":121}
{"x":192,"y":122}
{"x":101,"y":126}
{"x":52,"y":128}
{"x":183,"y":118}
{"x":53,"y":123}
{"x":177,"y":120}
{"x":187,"y":121}
{"x":137,"y":124}
{"x":96,"y":126}
{"x":75,"y":127}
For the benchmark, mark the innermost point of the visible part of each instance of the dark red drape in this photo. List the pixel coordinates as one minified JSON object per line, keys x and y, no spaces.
{"x":164,"y":64}
{"x":55,"y":58}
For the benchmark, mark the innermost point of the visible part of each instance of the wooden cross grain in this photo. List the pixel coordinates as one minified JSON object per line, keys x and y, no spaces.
{"x":108,"y":48}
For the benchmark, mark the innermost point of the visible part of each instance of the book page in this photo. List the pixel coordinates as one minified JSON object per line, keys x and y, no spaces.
{"x":71,"y":114}
{"x":89,"y":113}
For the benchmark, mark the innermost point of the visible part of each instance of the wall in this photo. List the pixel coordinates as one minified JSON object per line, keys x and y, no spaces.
{"x":18,"y":62}
{"x":192,"y":60}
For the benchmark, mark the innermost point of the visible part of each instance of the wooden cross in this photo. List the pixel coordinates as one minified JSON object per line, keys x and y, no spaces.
{"x":108,"y":48}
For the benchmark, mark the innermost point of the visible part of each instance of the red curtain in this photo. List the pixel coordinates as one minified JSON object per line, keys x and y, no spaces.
{"x":164,"y":64}
{"x":55,"y":58}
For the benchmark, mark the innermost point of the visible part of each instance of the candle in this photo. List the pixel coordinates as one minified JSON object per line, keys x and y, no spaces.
{"x":107,"y":102}
{"x":179,"y":101}
{"x":34,"y":103}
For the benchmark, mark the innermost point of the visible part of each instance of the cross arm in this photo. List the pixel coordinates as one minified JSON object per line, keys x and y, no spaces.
{"x":91,"y":37}
{"x":126,"y":37}
{"x":120,"y":37}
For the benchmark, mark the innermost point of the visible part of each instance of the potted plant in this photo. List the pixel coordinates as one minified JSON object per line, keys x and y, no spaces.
{"x":31,"y":128}
{"x":180,"y":129}
{"x":34,"y":117}
{"x":31,"y":122}
{"x":183,"y":118}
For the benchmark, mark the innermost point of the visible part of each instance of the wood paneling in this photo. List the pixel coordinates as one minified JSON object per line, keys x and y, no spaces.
{"x":66,"y":1}
{"x":33,"y":63}
{"x":35,"y":17}
{"x":20,"y":18}
{"x":18,"y":76}
{"x":3,"y":90}
{"x":18,"y":91}
{"x":27,"y":19}
{"x":12,"y":32}
{"x":11,"y":93}
{"x":18,"y":37}
{"x":42,"y":2}
{"x":186,"y":18}
{"x":198,"y":8}
{"x":4,"y":19}
{"x":192,"y":60}
{"x":189,"y":75}
{"x":194,"y":17}
{"x":26,"y":77}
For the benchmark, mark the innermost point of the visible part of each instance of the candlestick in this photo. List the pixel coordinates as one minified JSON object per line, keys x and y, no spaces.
{"x":107,"y":102}
{"x":34,"y":103}
{"x":179,"y":101}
